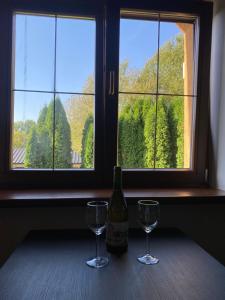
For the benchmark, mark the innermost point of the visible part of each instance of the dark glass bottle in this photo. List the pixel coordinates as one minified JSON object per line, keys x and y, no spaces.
{"x":117,"y":226}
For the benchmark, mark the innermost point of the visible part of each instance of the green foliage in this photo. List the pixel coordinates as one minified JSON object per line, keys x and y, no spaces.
{"x":149,"y":132}
{"x":21,"y":131}
{"x":32,"y":151}
{"x":131,"y":136}
{"x":39,"y":150}
{"x":45,"y":141}
{"x":78,"y":108}
{"x":165,"y":136}
{"x":62,"y":145}
{"x":156,"y":137}
{"x":142,"y":144}
{"x":171,"y":66}
{"x":178,"y":108}
{"x":87,"y":154}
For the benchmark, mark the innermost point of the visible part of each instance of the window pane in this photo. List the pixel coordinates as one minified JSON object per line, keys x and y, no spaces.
{"x":32,"y":140}
{"x":75,"y":69}
{"x":53,"y":130}
{"x":34,"y":52}
{"x":172,"y":148}
{"x":137,"y":115}
{"x":138,"y":55}
{"x":80,"y":118}
{"x":176,"y":58}
{"x":174,"y":132}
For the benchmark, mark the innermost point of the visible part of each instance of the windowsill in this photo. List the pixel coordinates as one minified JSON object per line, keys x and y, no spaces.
{"x":72,"y":197}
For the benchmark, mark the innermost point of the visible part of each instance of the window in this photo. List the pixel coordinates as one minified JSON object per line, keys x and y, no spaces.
{"x":53,"y":92}
{"x":156,"y":94}
{"x":96,"y":85}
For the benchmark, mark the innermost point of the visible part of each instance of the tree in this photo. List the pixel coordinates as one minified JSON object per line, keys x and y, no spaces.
{"x":19,"y":138}
{"x":32,"y":151}
{"x":131,"y":136}
{"x":178,"y":112}
{"x":62,"y":149}
{"x":21,"y":131}
{"x":45,"y":141}
{"x":165,"y":146}
{"x":59,"y":134}
{"x":78,"y":108}
{"x":162,"y":128}
{"x":149,"y":113}
{"x":170,"y":80}
{"x":87,"y":154}
{"x":39,"y":150}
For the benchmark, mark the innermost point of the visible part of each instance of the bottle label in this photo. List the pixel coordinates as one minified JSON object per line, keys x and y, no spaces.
{"x":117,"y":234}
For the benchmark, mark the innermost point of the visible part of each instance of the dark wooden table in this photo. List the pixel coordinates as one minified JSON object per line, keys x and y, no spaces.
{"x":51,"y":265}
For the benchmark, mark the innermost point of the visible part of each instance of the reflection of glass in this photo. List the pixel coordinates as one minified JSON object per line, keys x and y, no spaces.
{"x":34,"y":52}
{"x":96,"y":219}
{"x":148,"y":215}
{"x":54,"y":57}
{"x":138,"y":59}
{"x":75,"y":55}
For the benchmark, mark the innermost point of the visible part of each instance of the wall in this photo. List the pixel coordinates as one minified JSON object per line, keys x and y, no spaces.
{"x":217,"y":106}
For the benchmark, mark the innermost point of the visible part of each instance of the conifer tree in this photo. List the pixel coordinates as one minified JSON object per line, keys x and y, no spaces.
{"x":45,"y":142}
{"x":149,"y":132}
{"x":60,"y":133}
{"x":39,"y":150}
{"x":32,"y":150}
{"x":87,"y":153}
{"x":165,"y":147}
{"x":178,"y":113}
{"x":131,"y":136}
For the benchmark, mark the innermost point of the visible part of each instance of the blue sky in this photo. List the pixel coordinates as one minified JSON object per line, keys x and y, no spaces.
{"x":75,"y":59}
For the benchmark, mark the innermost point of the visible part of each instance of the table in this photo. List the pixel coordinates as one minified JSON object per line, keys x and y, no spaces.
{"x":51,"y":265}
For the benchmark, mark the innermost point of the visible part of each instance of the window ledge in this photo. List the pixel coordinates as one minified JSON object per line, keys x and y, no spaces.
{"x":72,"y":197}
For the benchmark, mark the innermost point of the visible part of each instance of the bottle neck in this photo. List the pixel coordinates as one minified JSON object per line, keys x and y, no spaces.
{"x":117,"y":180}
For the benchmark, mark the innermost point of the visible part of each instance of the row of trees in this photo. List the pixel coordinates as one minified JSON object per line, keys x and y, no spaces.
{"x":146,"y":139}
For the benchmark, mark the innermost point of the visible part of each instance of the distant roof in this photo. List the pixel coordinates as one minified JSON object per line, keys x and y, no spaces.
{"x":19,"y":156}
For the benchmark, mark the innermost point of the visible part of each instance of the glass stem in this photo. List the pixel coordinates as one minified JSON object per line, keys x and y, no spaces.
{"x":147,"y":243}
{"x":97,"y":245}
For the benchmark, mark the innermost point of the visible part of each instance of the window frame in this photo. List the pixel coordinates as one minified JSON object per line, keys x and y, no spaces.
{"x":51,"y":178}
{"x":197,"y":176}
{"x":107,"y":14}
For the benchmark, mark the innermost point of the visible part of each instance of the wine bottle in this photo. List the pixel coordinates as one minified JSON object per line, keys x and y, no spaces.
{"x":117,"y":225}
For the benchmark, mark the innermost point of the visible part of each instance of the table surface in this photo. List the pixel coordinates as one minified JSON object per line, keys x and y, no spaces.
{"x":51,"y":265}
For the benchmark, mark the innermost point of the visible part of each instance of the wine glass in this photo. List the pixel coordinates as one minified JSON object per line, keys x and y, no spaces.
{"x":148,"y":214}
{"x":96,"y":219}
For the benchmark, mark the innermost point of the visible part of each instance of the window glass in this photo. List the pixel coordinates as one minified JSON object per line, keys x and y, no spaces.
{"x":156,"y":98}
{"x":138,"y":56}
{"x":53,"y":92}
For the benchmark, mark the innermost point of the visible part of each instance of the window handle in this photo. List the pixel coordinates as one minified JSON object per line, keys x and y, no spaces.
{"x":111,"y":83}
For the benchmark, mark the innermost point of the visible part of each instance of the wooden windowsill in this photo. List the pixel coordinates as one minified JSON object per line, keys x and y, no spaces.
{"x":72,"y":197}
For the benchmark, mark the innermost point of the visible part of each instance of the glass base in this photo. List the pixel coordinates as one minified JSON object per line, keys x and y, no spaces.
{"x":98,"y":262}
{"x":147,"y":259}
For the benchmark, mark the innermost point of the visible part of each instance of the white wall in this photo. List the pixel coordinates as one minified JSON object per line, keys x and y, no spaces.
{"x":217,"y":105}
